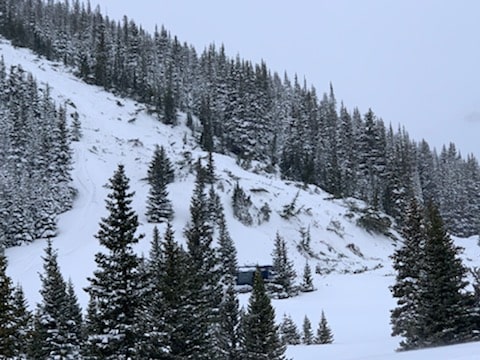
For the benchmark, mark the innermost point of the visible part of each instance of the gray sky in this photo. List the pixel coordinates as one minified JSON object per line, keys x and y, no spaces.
{"x":414,"y":62}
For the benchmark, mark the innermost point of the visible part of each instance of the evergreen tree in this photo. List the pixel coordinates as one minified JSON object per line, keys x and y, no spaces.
{"x":229,"y":313}
{"x":160,"y":173}
{"x":444,"y":305}
{"x":160,"y":167}
{"x":284,"y":274}
{"x":203,"y":285}
{"x":55,"y":318}
{"x":324,"y":333}
{"x":433,"y":307}
{"x":407,"y":262}
{"x":229,"y":325}
{"x":307,"y":333}
{"x":260,"y":335}
{"x":152,"y":333}
{"x":307,"y":280}
{"x":114,"y":288}
{"x":289,"y":332}
{"x":174,"y":292}
{"x":241,"y":204}
{"x":227,"y":252}
{"x":264,"y":214}
{"x":76,"y":127}
{"x":8,"y":347}
{"x":210,"y":177}
{"x":23,"y":323}
{"x":169,"y":110}
{"x":159,"y":206}
{"x":73,"y":314}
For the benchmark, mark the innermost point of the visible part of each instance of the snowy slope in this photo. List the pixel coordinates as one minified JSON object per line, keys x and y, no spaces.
{"x":116,"y":130}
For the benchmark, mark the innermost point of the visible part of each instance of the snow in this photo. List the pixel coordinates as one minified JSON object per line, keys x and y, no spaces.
{"x":356,"y":302}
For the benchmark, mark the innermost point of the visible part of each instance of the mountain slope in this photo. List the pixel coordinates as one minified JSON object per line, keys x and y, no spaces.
{"x":121,"y":131}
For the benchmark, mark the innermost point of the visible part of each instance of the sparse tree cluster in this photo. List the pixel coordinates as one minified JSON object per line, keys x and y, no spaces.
{"x":290,"y":334}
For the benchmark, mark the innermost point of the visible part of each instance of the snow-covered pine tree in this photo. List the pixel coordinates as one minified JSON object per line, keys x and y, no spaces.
{"x":8,"y":347}
{"x":241,"y":204}
{"x":433,"y":306}
{"x":283,"y":282}
{"x":324,"y":333}
{"x":76,"y":127}
{"x":115,"y":287}
{"x":444,"y":310}
{"x":160,"y":167}
{"x":229,"y":331}
{"x":407,"y":262}
{"x":73,"y":314}
{"x":203,"y":284}
{"x":160,"y":174}
{"x":210,"y":177}
{"x":307,"y":333}
{"x":174,"y":292}
{"x":55,"y":317}
{"x":289,"y":333}
{"x":23,"y":323}
{"x":307,"y":280}
{"x":229,"y":313}
{"x":227,"y":252}
{"x":152,"y":333}
{"x":260,"y":334}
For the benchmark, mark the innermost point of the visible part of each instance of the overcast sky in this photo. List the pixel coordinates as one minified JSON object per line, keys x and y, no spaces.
{"x":414,"y":62}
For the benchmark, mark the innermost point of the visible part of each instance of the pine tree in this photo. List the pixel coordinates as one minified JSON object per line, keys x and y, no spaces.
{"x":324,"y":333}
{"x":289,"y":332}
{"x":160,"y":173}
{"x":159,"y":206}
{"x":284,"y":274}
{"x":7,"y":312}
{"x":433,"y":307}
{"x":114,"y":288}
{"x":407,"y":262}
{"x":444,"y":306}
{"x":229,"y":324}
{"x":227,"y":252}
{"x":203,"y":285}
{"x":229,"y":313}
{"x":173,"y":282}
{"x":153,"y":340}
{"x":307,"y":280}
{"x":160,"y":167}
{"x":54,"y":319}
{"x":23,"y":323}
{"x":260,"y":335}
{"x":76,"y":127}
{"x":74,"y":325}
{"x":210,"y":177}
{"x":241,"y":204}
{"x":307,"y":334}
{"x":169,"y":111}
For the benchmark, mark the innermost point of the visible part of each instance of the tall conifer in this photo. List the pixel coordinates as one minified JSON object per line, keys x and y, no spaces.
{"x":260,"y":334}
{"x":114,"y":288}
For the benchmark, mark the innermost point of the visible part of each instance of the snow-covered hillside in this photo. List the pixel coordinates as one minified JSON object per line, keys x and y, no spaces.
{"x":355,"y":270}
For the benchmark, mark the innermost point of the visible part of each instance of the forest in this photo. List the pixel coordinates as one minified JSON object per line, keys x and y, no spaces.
{"x":269,"y":122}
{"x":181,"y":302}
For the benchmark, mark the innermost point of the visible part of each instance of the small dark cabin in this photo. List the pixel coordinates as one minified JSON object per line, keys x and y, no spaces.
{"x":245,"y":274}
